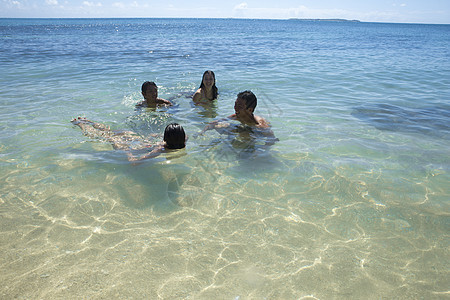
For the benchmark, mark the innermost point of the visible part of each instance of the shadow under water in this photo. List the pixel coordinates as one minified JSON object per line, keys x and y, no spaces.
{"x":432,"y":121}
{"x":243,"y":148}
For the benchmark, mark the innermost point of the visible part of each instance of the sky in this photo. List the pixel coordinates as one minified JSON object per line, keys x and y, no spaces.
{"x":392,"y":11}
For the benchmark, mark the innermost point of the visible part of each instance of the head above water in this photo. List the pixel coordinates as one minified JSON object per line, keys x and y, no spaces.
{"x":148,"y":84}
{"x":249,"y":98}
{"x":149,"y":90}
{"x":174,"y":136}
{"x":209,"y":78}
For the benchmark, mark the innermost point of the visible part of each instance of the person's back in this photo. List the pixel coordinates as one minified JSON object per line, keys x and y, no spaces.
{"x":131,"y":142}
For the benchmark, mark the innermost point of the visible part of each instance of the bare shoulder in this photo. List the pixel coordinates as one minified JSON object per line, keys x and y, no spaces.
{"x":232,"y":117}
{"x":142,"y":103}
{"x":197,"y":95}
{"x":262,"y":123}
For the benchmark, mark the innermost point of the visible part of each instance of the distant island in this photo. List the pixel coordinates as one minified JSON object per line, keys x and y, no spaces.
{"x":325,"y":20}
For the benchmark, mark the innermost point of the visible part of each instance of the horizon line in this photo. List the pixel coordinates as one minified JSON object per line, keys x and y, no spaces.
{"x":237,"y":18}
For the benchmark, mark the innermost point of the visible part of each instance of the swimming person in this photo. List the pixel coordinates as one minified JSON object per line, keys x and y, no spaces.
{"x":150,"y":93}
{"x":174,"y":138}
{"x":244,"y":108}
{"x":207,"y":90}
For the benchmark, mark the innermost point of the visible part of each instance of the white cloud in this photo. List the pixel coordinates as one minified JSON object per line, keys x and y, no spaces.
{"x":118,"y":5}
{"x":241,"y":6}
{"x":303,"y":12}
{"x":11,"y":3}
{"x":92,"y":4}
{"x":132,"y":8}
{"x":51,"y":2}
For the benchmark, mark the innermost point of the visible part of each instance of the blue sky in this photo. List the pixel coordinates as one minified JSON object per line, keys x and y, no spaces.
{"x":398,"y":11}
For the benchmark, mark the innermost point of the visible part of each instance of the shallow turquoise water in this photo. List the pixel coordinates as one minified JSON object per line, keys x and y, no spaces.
{"x":352,"y":202}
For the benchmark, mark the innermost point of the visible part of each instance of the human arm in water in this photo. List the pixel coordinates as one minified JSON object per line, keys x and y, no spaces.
{"x":263,"y":133}
{"x":154,"y":153}
{"x":222,"y":123}
{"x":157,"y":102}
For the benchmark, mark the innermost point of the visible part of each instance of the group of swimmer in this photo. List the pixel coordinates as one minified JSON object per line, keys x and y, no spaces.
{"x":174,"y":135}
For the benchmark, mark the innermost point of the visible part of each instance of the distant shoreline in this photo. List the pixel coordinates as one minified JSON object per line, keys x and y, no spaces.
{"x":324,"y":20}
{"x":231,"y":18}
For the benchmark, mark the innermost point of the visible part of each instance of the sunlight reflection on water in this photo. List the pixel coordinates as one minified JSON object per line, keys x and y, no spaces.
{"x":351,"y":202}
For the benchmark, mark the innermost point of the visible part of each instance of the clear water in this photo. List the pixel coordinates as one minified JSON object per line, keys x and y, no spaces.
{"x":352,"y":202}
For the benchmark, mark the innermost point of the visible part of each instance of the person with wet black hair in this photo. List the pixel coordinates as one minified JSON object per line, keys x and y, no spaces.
{"x":174,"y":136}
{"x":250,"y":99}
{"x":149,"y":91}
{"x":207,"y":90}
{"x":131,"y":142}
{"x":244,"y":106}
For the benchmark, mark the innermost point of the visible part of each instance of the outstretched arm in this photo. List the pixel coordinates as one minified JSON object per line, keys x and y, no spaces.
{"x":222,"y":123}
{"x":154,"y":153}
{"x":209,"y":126}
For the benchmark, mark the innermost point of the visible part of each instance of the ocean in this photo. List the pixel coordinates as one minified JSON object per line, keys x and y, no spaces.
{"x":351,"y":202}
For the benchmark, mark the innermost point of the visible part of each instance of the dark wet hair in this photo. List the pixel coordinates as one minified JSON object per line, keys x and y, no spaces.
{"x":147,"y":84}
{"x":250,"y":99}
{"x":174,"y":136}
{"x":214,"y":88}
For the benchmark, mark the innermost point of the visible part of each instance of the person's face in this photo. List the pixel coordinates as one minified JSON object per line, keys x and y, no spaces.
{"x":151,"y":93}
{"x":240,"y":107}
{"x":208,"y":80}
